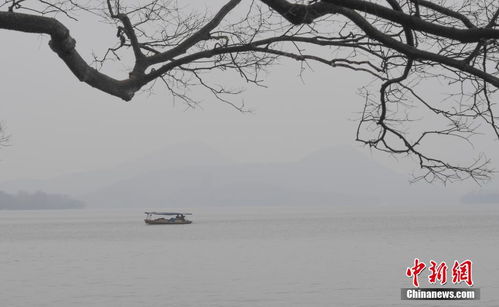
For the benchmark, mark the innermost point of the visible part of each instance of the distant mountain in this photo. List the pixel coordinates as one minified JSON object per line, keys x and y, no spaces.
{"x":82,"y":183}
{"x":195,"y":175}
{"x":481,"y":197}
{"x":36,"y":201}
{"x":333,"y":176}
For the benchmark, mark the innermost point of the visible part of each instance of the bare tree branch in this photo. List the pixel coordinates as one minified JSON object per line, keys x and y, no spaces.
{"x":404,"y":45}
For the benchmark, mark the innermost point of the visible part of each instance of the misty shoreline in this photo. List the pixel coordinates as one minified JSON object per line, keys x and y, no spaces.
{"x":38,"y":201}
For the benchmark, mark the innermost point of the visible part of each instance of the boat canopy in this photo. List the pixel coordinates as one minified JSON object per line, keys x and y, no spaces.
{"x":168,"y":213}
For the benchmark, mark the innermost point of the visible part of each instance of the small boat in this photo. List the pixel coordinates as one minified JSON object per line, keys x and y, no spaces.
{"x":178,"y":218}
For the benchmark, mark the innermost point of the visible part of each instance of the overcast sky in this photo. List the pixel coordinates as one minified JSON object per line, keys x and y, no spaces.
{"x":59,"y":125}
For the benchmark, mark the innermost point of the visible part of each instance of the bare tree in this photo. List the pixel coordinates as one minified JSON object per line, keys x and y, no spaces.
{"x":3,"y":138}
{"x":403,"y":44}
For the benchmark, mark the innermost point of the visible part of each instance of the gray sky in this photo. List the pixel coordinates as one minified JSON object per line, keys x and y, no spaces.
{"x":59,"y":125}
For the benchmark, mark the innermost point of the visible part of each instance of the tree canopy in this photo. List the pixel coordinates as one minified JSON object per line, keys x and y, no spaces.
{"x":405,"y":45}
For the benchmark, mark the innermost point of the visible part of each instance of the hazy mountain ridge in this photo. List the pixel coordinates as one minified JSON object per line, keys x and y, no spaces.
{"x":332,"y":176}
{"x":77,"y":184}
{"x":36,"y":201}
{"x":196,"y":175}
{"x":481,"y":197}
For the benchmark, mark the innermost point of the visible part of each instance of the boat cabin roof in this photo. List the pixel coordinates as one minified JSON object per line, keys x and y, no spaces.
{"x":168,"y":213}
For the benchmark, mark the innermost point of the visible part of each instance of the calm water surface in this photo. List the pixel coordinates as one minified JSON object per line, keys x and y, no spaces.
{"x":239,"y":256}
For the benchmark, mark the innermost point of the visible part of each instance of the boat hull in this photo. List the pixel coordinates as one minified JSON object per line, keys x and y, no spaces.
{"x":166,"y":222}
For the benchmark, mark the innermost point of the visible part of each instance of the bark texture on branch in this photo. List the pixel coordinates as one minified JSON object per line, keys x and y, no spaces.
{"x":64,"y":45}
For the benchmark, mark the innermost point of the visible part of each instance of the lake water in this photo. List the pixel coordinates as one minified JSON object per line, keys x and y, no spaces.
{"x":240,"y":256}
